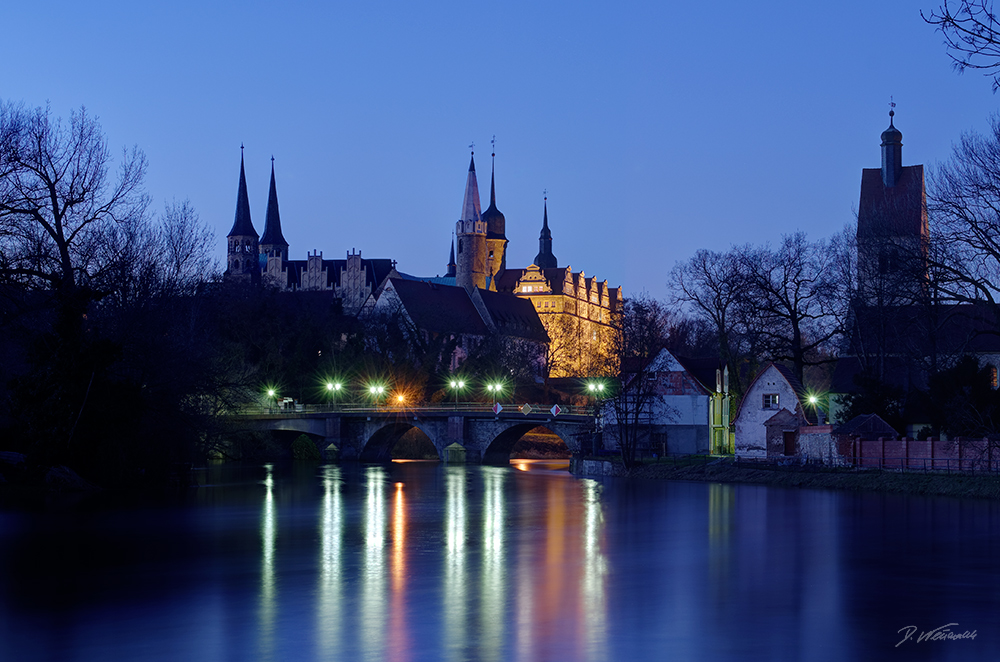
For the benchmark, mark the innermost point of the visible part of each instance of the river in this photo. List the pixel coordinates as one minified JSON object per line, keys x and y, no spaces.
{"x":422,"y":561}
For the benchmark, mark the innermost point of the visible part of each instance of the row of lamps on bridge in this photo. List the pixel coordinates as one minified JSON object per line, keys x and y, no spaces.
{"x":377,"y":391}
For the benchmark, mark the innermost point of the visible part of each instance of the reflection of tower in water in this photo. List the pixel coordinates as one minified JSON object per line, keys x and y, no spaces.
{"x":721,"y":503}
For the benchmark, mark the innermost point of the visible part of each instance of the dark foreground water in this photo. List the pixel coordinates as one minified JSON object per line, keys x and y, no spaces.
{"x":427,"y":562}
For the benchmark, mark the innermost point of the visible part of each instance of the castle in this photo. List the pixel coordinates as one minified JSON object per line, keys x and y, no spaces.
{"x":576,"y":311}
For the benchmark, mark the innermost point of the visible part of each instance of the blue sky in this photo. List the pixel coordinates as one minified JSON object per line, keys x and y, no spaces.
{"x":657,"y":128}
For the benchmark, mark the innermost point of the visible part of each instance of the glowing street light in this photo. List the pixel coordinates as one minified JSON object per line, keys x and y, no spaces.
{"x":272,"y":395}
{"x":494,"y":390}
{"x":334,"y":389}
{"x":457,"y":385}
{"x":376,"y":391}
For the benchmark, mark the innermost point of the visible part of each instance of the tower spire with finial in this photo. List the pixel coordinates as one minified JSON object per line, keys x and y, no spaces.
{"x":545,"y":259}
{"x":273,"y":243}
{"x":892,"y":151}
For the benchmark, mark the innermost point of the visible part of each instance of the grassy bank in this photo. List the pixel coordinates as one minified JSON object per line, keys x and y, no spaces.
{"x":985,"y":486}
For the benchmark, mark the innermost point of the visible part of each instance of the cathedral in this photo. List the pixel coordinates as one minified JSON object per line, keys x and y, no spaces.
{"x":576,"y":311}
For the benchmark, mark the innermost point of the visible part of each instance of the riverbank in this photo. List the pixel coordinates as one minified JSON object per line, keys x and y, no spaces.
{"x":725,"y":470}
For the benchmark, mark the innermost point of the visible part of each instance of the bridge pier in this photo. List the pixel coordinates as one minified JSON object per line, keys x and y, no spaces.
{"x":334,"y":437}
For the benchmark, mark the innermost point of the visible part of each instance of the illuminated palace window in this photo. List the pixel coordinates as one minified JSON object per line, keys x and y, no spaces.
{"x":993,"y":377}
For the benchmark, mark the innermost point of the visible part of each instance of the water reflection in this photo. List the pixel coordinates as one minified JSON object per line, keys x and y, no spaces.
{"x":467,"y":563}
{"x":399,"y":638}
{"x":593,"y":603}
{"x":493,"y":575}
{"x":268,"y":533}
{"x":373,"y":580}
{"x":330,"y":581}
{"x":455,"y":625}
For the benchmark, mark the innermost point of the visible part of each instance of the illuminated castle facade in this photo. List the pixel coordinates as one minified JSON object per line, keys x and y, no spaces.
{"x":577,"y":311}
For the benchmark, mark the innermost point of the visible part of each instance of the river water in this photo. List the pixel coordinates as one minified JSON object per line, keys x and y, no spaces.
{"x":421,"y":561}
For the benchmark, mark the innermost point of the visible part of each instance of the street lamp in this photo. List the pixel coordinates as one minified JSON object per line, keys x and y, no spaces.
{"x":271,"y":394}
{"x":494,"y":390}
{"x":334,"y":389}
{"x":457,"y":385}
{"x":376,"y":391}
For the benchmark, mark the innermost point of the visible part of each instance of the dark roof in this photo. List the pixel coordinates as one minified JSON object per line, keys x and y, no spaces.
{"x":703,"y":370}
{"x":869,"y":426}
{"x":507,"y":279}
{"x":514,"y":316}
{"x":242,"y":225}
{"x":272,"y":219}
{"x":439,"y":308}
{"x":898,"y":210}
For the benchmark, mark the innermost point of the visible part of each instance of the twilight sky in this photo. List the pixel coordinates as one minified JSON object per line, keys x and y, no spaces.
{"x":658,"y":128}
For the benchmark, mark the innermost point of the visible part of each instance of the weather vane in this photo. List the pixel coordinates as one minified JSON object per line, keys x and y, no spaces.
{"x":472,"y":146}
{"x":494,"y":143}
{"x":545,"y":193}
{"x":892,"y":105}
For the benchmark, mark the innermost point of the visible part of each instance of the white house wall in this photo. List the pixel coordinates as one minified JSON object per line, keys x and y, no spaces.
{"x":751,"y":435}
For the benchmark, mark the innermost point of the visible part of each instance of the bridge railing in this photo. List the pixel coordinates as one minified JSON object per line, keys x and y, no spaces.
{"x":437,"y":408}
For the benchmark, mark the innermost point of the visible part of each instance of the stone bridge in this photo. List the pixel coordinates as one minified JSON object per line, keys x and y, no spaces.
{"x":470,"y":433}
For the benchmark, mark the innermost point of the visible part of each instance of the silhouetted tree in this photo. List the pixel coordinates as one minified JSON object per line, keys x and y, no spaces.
{"x":971,"y":35}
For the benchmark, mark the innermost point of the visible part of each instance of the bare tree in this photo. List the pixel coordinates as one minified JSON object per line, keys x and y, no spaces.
{"x":638,"y":337}
{"x":713,"y":286}
{"x":797,"y":297}
{"x":971,"y":34}
{"x":58,"y":205}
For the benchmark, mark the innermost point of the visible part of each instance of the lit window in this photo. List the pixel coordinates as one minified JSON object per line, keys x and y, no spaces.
{"x":770,"y":401}
{"x":993,"y":377}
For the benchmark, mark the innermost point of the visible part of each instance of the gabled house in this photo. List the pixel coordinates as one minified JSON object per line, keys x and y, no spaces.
{"x":685,"y":406}
{"x":773,"y":409}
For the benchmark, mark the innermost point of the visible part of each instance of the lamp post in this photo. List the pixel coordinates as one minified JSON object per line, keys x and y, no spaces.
{"x":457,"y":385}
{"x":271,"y":394}
{"x":494,"y":390}
{"x":376,"y":391}
{"x":596,"y":390}
{"x":333,"y":389}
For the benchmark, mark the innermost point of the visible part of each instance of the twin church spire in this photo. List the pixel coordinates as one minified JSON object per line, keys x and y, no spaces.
{"x":248,"y":252}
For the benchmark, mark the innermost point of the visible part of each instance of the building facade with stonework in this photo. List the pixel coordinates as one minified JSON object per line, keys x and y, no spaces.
{"x":264,"y":259}
{"x":577,"y":311}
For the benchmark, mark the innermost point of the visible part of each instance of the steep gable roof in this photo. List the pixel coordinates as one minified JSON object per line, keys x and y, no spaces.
{"x":439,"y":308}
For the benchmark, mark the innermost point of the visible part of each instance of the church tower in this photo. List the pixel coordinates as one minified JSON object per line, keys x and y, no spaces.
{"x":470,"y":259}
{"x":243,"y":263}
{"x":545,"y":259}
{"x":496,"y":239}
{"x":892,"y":228}
{"x":273,"y":243}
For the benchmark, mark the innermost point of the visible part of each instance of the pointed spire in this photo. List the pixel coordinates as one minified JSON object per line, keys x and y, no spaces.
{"x":272,"y":220}
{"x":470,"y":204}
{"x":242,"y":225}
{"x":496,"y":224}
{"x":545,"y":259}
{"x":451,"y":259}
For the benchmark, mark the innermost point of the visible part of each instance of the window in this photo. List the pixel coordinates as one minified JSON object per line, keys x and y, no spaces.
{"x":993,"y":377}
{"x":770,"y":401}
{"x":459,"y":245}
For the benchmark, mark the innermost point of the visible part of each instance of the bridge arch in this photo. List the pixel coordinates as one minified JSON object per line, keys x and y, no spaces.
{"x":499,"y":449}
{"x":378,"y":447}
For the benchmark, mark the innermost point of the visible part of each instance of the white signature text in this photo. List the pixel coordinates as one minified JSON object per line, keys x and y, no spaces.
{"x":942,"y":633}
